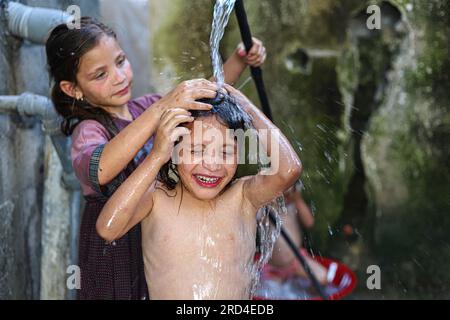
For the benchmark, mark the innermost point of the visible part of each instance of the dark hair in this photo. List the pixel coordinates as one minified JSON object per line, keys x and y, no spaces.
{"x":226,"y":111}
{"x":65,"y":47}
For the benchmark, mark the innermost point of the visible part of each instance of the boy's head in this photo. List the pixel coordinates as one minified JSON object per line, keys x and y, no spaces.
{"x":207,"y":159}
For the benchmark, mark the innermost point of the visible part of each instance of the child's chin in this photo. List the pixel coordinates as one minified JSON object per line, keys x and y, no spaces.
{"x":123,"y":100}
{"x":206,"y":194}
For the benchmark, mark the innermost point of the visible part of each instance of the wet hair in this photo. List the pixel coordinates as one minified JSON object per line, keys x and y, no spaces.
{"x":64,"y":48}
{"x":227,"y":112}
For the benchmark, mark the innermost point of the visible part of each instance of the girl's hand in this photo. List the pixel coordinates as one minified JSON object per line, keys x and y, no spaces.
{"x":185,"y":94}
{"x":168,"y":131}
{"x":256,"y":56}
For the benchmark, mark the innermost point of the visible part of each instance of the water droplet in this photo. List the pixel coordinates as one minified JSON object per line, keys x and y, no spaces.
{"x":327,"y":155}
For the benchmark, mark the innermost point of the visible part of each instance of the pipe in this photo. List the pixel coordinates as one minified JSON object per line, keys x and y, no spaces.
{"x":8,"y":103}
{"x":28,"y":105}
{"x":34,"y":24}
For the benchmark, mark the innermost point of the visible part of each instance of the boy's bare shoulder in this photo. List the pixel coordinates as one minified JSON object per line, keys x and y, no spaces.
{"x":236,"y":186}
{"x":236,"y":191}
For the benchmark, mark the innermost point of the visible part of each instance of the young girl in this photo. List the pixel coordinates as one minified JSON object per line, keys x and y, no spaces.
{"x":111,"y":135}
{"x":198,"y":233}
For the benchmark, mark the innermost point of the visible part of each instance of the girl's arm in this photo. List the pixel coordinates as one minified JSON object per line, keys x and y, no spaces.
{"x":236,"y":64}
{"x":285,"y":166}
{"x":120,"y":150}
{"x":304,"y":213}
{"x":133,"y":200}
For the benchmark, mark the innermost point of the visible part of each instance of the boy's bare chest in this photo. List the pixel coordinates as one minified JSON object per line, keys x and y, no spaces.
{"x":190,"y":231}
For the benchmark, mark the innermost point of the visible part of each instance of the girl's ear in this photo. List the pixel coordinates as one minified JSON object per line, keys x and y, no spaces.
{"x":70,"y":89}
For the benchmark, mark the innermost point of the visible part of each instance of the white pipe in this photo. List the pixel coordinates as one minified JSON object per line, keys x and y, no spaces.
{"x":28,"y":105}
{"x":8,"y":103}
{"x":34,"y":24}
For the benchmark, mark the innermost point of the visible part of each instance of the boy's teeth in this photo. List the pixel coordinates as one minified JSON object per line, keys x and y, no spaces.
{"x":207,"y":179}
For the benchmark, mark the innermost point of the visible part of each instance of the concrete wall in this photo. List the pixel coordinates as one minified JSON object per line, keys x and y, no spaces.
{"x":134,"y":38}
{"x":33,"y":236}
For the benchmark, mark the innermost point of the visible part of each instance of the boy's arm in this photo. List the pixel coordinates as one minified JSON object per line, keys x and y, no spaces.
{"x":120,"y":150}
{"x":285,"y":167}
{"x":133,"y":200}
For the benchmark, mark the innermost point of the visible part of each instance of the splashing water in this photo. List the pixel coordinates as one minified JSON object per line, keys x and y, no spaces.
{"x":222,"y":11}
{"x":267,"y":232}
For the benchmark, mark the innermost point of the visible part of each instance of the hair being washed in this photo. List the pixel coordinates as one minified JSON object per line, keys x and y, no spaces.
{"x":64,"y":48}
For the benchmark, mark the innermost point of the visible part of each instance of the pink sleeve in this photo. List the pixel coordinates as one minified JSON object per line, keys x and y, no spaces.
{"x":86,"y":138}
{"x":143,"y":103}
{"x":150,"y":99}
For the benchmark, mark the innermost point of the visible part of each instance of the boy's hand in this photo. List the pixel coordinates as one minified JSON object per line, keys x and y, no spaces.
{"x":168,"y":131}
{"x":256,"y":56}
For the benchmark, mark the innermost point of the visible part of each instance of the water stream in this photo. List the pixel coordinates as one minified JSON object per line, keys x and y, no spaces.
{"x":222,"y":12}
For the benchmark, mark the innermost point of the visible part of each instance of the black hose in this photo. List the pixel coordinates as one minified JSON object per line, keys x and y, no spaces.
{"x":259,"y":82}
{"x":248,"y":43}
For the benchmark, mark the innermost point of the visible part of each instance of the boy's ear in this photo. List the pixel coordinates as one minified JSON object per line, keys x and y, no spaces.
{"x":69,"y":88}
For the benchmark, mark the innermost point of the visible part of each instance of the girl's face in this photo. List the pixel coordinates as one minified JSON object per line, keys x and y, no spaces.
{"x":105,"y":76}
{"x":209,"y":158}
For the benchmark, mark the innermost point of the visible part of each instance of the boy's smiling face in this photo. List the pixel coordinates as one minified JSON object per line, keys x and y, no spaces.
{"x":209,"y":158}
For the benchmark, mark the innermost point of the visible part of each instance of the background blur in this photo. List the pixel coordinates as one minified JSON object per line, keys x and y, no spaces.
{"x":367,"y":110}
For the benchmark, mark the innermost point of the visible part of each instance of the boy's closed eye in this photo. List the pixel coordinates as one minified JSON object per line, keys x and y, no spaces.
{"x":228,"y":150}
{"x":197,"y":150}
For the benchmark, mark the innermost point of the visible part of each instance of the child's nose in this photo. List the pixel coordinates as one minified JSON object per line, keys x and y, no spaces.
{"x":120,"y":76}
{"x":211,"y":161}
